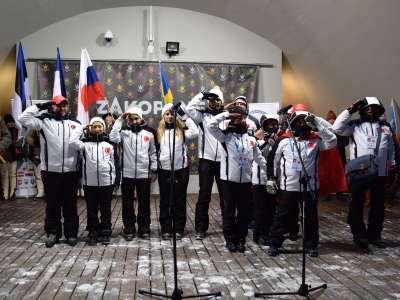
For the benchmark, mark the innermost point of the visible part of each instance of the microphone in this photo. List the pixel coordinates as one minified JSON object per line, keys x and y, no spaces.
{"x":284,"y":110}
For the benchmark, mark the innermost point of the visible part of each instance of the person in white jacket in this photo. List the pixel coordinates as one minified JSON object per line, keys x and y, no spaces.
{"x":138,"y":168}
{"x":185,"y":129}
{"x":98,"y":173}
{"x":364,"y":138}
{"x":201,"y":109}
{"x":238,"y":151}
{"x":59,"y":164}
{"x":264,"y":203}
{"x":284,"y":160}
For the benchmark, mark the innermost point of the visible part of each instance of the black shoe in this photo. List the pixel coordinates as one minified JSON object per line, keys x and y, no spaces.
{"x":263,"y":240}
{"x":241,"y":247}
{"x":273,"y":251}
{"x":92,"y":240}
{"x":179,"y":236}
{"x":200,"y":235}
{"x":165,"y":236}
{"x":362,"y":244}
{"x":144,"y":233}
{"x":105,"y":240}
{"x":293,"y":236}
{"x":51,"y":240}
{"x":231,"y":247}
{"x":128,"y":235}
{"x":379,"y":243}
{"x":72,"y":241}
{"x":312,"y":252}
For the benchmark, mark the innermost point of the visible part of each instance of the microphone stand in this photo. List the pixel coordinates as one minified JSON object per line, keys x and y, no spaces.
{"x":177,"y":293}
{"x":304,"y":289}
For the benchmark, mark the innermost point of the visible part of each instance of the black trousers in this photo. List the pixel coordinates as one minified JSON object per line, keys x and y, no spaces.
{"x":60,"y":193}
{"x":236,"y":210}
{"x":129,"y":218}
{"x":178,"y":202}
{"x":208,"y":170}
{"x":98,"y":198}
{"x":287,"y":215}
{"x":264,"y":210}
{"x":376,"y":211}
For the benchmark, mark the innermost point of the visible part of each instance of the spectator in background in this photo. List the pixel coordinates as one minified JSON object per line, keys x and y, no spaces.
{"x":342,"y":141}
{"x":33,"y":141}
{"x":5,"y":142}
{"x":11,"y":155}
{"x":109,"y":119}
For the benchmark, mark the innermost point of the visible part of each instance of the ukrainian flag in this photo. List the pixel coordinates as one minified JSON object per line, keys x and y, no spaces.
{"x":165,"y":90}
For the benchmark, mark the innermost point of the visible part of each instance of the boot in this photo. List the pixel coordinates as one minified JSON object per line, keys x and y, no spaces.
{"x":51,"y":240}
{"x":92,"y":239}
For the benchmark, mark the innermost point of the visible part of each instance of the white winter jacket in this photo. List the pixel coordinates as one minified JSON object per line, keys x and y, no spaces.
{"x":362,"y":131}
{"x":98,"y":168}
{"x":285,"y":162}
{"x":238,"y":152}
{"x":56,"y":155}
{"x":139,"y":154}
{"x":165,"y":147}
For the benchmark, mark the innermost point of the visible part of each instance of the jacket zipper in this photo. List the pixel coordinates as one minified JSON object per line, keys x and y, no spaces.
{"x":97,"y":162}
{"x":136,"y":155}
{"x":241,"y":161}
{"x":63,"y":140}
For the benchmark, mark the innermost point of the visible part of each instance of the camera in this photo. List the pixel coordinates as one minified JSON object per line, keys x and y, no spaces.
{"x":108,"y":36}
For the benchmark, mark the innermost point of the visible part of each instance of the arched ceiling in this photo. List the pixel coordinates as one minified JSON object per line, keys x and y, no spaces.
{"x":336,"y":50}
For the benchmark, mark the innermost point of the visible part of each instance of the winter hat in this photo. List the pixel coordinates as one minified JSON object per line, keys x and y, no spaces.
{"x":217,"y":91}
{"x":297,"y":111}
{"x":134,"y":110}
{"x":374,"y":101}
{"x":99,"y":120}
{"x":241,"y":99}
{"x":267,"y":117}
{"x":59,"y":99}
{"x":166,"y":108}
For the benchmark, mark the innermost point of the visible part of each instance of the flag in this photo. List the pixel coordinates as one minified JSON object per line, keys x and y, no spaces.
{"x":90,"y":88}
{"x":166,"y":93}
{"x":393,"y":117}
{"x":59,"y":84}
{"x":22,"y":90}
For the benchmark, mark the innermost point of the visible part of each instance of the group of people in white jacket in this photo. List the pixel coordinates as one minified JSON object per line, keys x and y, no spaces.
{"x":252,"y":164}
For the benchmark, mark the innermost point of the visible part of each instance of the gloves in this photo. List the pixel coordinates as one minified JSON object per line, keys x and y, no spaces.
{"x":272,"y":187}
{"x":209,"y":96}
{"x":44,"y":105}
{"x":357,"y":106}
{"x":310,"y":121}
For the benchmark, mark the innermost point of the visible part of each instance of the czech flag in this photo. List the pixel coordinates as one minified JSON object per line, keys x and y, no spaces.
{"x":90,"y":88}
{"x":59,"y":84}
{"x":22,"y":89}
{"x":166,"y":93}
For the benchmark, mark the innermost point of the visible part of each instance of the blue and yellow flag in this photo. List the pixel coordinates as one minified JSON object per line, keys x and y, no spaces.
{"x":166,"y":93}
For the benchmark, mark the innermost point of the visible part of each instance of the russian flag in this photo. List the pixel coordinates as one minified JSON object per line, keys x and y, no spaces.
{"x":59,"y":84}
{"x":90,"y":88}
{"x":166,"y":93}
{"x":22,"y":89}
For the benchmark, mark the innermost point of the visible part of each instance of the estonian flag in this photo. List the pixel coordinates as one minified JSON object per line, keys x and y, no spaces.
{"x":166,"y":93}
{"x":22,"y":90}
{"x":59,"y":84}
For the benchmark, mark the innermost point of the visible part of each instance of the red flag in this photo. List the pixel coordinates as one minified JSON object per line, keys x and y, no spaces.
{"x":331,"y":172}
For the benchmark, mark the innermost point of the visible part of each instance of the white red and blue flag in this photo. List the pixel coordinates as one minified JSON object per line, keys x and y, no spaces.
{"x":90,"y":88}
{"x":59,"y":84}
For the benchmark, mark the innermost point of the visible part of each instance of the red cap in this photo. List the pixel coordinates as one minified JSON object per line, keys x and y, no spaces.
{"x":59,"y":99}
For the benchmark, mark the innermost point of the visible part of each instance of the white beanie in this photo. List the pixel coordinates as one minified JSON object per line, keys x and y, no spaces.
{"x":217,"y":91}
{"x":97,"y":119}
{"x":134,"y":110}
{"x":166,"y":108}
